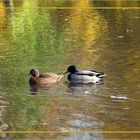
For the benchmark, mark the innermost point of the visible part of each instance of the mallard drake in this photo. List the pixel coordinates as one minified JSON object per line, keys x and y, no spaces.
{"x":83,"y":76}
{"x":45,"y":78}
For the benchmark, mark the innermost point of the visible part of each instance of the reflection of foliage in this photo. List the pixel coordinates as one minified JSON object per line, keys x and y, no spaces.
{"x":28,"y":113}
{"x":33,"y":31}
{"x":33,"y":35}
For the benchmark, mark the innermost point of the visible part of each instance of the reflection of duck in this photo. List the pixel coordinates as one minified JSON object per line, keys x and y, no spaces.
{"x":42,"y":79}
{"x":83,"y":76}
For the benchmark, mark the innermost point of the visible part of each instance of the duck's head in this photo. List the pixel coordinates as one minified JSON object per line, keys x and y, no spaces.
{"x":71,"y":69}
{"x":34,"y":72}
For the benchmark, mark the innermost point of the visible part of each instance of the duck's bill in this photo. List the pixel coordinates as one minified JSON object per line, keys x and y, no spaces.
{"x":65,"y":72}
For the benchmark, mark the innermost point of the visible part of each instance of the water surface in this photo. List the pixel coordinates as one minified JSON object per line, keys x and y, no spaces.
{"x":38,"y":35}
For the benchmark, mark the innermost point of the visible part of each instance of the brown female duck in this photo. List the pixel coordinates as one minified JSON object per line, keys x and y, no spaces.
{"x":42,"y":79}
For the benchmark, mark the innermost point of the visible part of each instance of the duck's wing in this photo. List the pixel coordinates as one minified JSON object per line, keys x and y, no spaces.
{"x":99,"y":74}
{"x":86,"y":72}
{"x":48,"y":75}
{"x":51,"y":76}
{"x":90,"y":73}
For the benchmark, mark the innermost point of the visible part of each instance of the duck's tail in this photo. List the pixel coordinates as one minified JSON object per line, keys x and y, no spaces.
{"x":101,"y":75}
{"x":60,"y":77}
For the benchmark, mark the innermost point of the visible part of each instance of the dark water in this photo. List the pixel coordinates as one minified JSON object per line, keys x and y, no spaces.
{"x":38,"y":34}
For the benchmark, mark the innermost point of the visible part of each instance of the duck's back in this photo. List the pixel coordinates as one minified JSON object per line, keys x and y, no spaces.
{"x":49,"y":78}
{"x":75,"y":78}
{"x":46,"y":78}
{"x":48,"y":75}
{"x":85,"y":76}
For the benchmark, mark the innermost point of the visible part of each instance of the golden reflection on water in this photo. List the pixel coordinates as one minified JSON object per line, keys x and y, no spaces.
{"x":78,"y":18}
{"x":3,"y":16}
{"x":132,"y":76}
{"x":84,"y":25}
{"x":83,"y":28}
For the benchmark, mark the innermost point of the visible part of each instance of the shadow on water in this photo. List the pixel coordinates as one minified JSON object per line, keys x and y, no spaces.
{"x":34,"y":88}
{"x":88,"y":85}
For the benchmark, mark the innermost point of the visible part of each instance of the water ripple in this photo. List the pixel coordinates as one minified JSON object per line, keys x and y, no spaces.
{"x":80,"y":123}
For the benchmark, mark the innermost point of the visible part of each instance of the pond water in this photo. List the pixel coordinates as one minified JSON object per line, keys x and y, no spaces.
{"x":51,"y":36}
